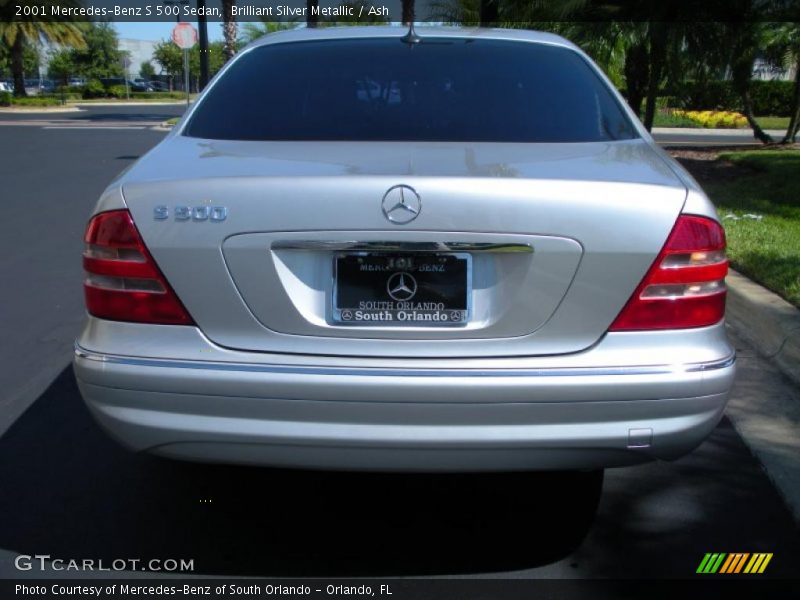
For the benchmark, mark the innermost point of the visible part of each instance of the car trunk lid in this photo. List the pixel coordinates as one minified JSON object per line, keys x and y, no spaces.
{"x":558,"y":235}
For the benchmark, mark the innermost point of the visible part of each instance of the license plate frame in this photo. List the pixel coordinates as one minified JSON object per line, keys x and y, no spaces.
{"x":418,"y":310}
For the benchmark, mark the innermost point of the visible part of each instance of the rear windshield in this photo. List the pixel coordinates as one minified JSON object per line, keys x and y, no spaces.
{"x":442,"y":89}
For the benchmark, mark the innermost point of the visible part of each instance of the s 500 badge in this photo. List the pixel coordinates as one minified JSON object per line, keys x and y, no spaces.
{"x":191,"y":213}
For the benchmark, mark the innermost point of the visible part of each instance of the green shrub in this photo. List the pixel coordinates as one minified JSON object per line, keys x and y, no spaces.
{"x":159,"y":95}
{"x":663,"y":102}
{"x":93,"y":89}
{"x":117,"y":91}
{"x":36,"y":101}
{"x":772,"y":97}
{"x":709,"y":95}
{"x":769,"y":97}
{"x":5,"y":98}
{"x":67,"y":92}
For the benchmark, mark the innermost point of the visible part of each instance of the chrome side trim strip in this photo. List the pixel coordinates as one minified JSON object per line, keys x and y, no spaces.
{"x":400,"y":246}
{"x":384,"y":372}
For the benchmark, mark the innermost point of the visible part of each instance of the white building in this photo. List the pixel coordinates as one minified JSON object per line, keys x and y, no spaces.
{"x":139,"y":51}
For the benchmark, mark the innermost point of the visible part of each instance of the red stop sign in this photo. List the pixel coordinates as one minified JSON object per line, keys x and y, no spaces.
{"x":184,"y":35}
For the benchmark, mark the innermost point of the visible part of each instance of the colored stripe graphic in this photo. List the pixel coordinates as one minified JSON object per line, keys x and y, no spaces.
{"x":734,"y":563}
{"x":758,"y":563}
{"x":741,"y":562}
{"x":732,"y":558}
{"x":703,"y":563}
{"x":711,"y":562}
{"x":721,"y":562}
{"x":715,"y":565}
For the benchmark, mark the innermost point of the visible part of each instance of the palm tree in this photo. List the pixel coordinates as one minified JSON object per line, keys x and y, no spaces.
{"x":19,"y":32}
{"x":783,"y":49}
{"x":746,"y":41}
{"x":408,"y":11}
{"x":793,"y":53}
{"x":253,"y":31}
{"x":312,"y":19}
{"x":456,"y":12}
{"x":229,"y":28}
{"x":621,"y":49}
{"x":488,"y":12}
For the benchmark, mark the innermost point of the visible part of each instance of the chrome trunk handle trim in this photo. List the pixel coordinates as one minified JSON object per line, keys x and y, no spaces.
{"x":400,"y":246}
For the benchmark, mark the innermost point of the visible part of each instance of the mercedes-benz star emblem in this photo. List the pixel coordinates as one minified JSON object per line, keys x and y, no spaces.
{"x":401,"y":204}
{"x":401,"y":286}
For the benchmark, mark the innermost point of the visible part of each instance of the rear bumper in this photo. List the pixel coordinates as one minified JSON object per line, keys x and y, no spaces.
{"x":412,"y":419}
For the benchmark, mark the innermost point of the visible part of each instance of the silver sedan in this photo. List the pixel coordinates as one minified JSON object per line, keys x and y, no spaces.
{"x":457,"y":251}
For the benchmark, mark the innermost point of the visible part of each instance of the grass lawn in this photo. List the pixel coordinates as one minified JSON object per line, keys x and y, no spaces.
{"x":765,"y":183}
{"x":773,"y":122}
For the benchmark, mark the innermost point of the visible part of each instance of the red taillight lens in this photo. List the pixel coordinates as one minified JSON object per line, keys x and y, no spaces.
{"x":123,"y":282}
{"x":685,"y":287}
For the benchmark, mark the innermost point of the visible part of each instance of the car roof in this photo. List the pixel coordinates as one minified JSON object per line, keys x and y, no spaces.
{"x":304,"y":34}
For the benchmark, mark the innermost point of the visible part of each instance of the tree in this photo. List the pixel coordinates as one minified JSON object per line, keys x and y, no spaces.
{"x":30,"y":61}
{"x":312,"y":19}
{"x":783,"y":49}
{"x":407,"y":11}
{"x":253,"y":31}
{"x":216,"y":59}
{"x":101,"y":56}
{"x":794,"y":120}
{"x":147,"y":71}
{"x":745,"y":44}
{"x":621,"y":49}
{"x":650,"y":38}
{"x":21,"y":32}
{"x":229,"y":28}
{"x":61,"y":66}
{"x":456,"y":12}
{"x":170,"y":58}
{"x":489,"y":12}
{"x":619,"y":37}
{"x":671,"y":42}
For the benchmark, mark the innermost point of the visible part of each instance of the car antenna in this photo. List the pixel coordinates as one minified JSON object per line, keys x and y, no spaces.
{"x":411,"y":36}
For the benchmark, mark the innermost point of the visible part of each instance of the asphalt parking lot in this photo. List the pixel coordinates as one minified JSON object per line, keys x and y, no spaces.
{"x":69,"y":491}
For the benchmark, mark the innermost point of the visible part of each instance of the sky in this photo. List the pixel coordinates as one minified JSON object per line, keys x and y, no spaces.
{"x":159,"y":31}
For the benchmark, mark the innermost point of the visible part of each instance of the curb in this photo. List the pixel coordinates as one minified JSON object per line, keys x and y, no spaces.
{"x":766,"y":321}
{"x":132,"y":103}
{"x":39,"y":109}
{"x":703,"y":131}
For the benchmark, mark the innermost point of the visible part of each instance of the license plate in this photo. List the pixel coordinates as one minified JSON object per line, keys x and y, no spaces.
{"x":402,"y":289}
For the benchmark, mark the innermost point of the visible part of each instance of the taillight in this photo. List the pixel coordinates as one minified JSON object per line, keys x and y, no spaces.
{"x":685,"y":287}
{"x":123,"y":282}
